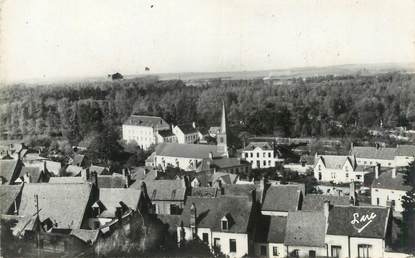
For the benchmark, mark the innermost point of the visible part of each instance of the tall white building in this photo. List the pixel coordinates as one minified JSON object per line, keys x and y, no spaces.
{"x":261,"y":155}
{"x":143,"y":129}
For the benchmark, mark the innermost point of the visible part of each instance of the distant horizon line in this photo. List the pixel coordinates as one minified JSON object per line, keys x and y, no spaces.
{"x":391,"y":65}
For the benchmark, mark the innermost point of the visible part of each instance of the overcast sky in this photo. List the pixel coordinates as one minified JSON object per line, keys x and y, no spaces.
{"x":77,"y":38}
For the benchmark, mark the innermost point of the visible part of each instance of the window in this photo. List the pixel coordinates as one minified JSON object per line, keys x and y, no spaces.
{"x":263,"y":250}
{"x":364,"y":251}
{"x":377,"y":201}
{"x":153,"y":195}
{"x":393,"y":203}
{"x":221,"y":139}
{"x":294,"y":253}
{"x":232,"y":245}
{"x":335,"y":251}
{"x":205,"y":237}
{"x":265,"y":162}
{"x":252,"y":155}
{"x":246,"y":155}
{"x":216,"y":242}
{"x":275,"y":251}
{"x":96,"y":224}
{"x":175,"y":209}
{"x":258,"y":164}
{"x":320,"y":176}
{"x":269,"y":162}
{"x":263,"y":154}
{"x":312,"y":254}
{"x":257,"y":155}
{"x":224,"y":225}
{"x":347,"y":174}
{"x":269,"y":155}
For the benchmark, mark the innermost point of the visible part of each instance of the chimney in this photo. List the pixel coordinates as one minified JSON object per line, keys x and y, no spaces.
{"x":94,"y":178}
{"x":352,"y":194}
{"x":377,"y":170}
{"x":193,"y":219}
{"x":394,"y":172}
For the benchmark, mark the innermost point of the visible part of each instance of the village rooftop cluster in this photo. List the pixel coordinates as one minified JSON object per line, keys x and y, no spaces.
{"x":351,"y":214}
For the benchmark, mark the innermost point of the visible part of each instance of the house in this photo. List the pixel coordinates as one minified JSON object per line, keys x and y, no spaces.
{"x":10,"y":198}
{"x":223,"y":223}
{"x":32,"y":175}
{"x":10,"y":170}
{"x":167,"y":196}
{"x":212,"y":178}
{"x":185,"y":156}
{"x":305,"y":164}
{"x":230,"y":165}
{"x":143,"y":129}
{"x":305,"y":234}
{"x":114,"y":203}
{"x":270,"y":236}
{"x":62,"y":206}
{"x":261,"y":155}
{"x":166,"y":136}
{"x":113,"y":181}
{"x":187,"y":133}
{"x":357,"y":231}
{"x":388,"y":188}
{"x":339,"y":169}
{"x":400,"y":156}
{"x":281,"y":199}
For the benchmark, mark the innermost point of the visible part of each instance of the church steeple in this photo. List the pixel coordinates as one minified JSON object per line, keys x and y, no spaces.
{"x":222,"y":145}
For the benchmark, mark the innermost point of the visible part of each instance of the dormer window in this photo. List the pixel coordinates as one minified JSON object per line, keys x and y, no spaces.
{"x":225,"y":225}
{"x":225,"y":222}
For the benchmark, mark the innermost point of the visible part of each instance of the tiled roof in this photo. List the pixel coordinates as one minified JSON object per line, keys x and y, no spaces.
{"x":149,"y":121}
{"x":270,"y":229}
{"x":249,"y":190}
{"x":197,"y":151}
{"x":315,"y":202}
{"x":336,"y":161}
{"x":305,"y":228}
{"x":187,"y":128}
{"x":78,"y":159}
{"x":111,"y":181}
{"x":210,"y":211}
{"x":111,"y":198}
{"x":341,"y":221}
{"x":405,"y":150}
{"x":67,"y":180}
{"x":222,"y":163}
{"x":143,"y":173}
{"x":163,"y":190}
{"x":64,"y":204}
{"x":374,"y":153}
{"x":281,"y":198}
{"x":226,"y":178}
{"x":10,"y":170}
{"x":385,"y":181}
{"x":8,"y":194}
{"x":98,"y":169}
{"x":73,"y":170}
{"x":208,"y":192}
{"x":262,"y":145}
{"x":33,"y":172}
{"x":165,"y":133}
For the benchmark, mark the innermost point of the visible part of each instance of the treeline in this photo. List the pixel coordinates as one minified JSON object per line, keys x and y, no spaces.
{"x":324,"y":106}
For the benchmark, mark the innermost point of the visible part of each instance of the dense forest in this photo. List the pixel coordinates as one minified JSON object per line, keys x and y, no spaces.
{"x":324,"y":106}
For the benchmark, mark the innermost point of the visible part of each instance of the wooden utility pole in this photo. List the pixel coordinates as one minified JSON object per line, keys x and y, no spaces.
{"x":37,"y":229}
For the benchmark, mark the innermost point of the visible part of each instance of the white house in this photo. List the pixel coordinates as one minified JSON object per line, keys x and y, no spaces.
{"x":187,"y":133}
{"x":166,"y":136}
{"x":222,"y":223}
{"x":388,"y":189}
{"x":261,"y":155}
{"x":400,"y":156}
{"x":339,"y":169}
{"x":357,"y":231}
{"x":143,"y":129}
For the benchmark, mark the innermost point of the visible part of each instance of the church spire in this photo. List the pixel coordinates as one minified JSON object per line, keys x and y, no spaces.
{"x":222,"y":145}
{"x":223,"y":120}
